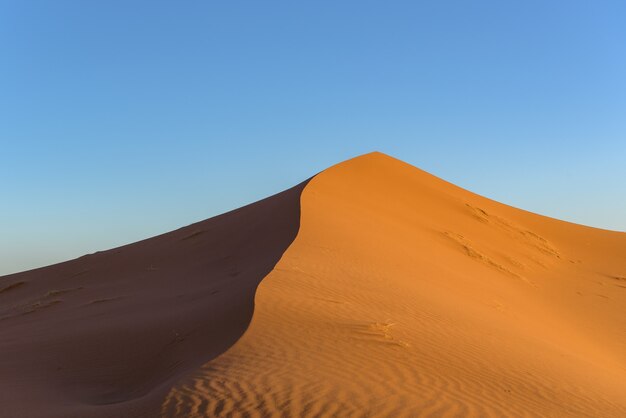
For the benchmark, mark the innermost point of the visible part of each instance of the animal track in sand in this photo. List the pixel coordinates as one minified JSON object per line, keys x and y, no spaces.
{"x":379,"y":332}
{"x":472,"y":252}
{"x":193,"y":235}
{"x":12,"y":286}
{"x":34,"y":305}
{"x":28,"y":308}
{"x":528,"y":237}
{"x":61,"y":291}
{"x":103,"y":300}
{"x":617,"y":280}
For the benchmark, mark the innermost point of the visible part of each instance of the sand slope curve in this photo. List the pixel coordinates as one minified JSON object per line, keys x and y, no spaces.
{"x":107,"y":334}
{"x":405,"y":296}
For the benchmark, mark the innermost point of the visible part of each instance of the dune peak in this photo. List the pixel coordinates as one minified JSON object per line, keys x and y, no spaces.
{"x":372,"y":289}
{"x":404,"y":295}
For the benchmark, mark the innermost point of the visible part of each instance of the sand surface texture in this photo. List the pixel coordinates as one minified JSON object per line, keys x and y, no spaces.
{"x":406,"y":296}
{"x":384,"y":292}
{"x":107,"y":334}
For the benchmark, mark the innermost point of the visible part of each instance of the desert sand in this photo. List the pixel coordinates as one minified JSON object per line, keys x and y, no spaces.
{"x":372,"y":290}
{"x":107,"y":334}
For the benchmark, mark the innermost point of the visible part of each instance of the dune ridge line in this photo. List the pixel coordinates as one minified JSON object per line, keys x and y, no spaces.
{"x":403,"y":295}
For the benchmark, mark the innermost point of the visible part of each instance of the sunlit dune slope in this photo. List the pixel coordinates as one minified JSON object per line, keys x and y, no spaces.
{"x":404,"y":295}
{"x":107,"y":334}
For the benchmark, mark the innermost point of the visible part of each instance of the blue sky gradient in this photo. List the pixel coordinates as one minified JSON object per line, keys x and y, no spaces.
{"x":120,"y":120}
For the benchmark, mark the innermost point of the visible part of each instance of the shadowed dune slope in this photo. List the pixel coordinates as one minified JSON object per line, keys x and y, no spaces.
{"x":404,"y":296}
{"x":107,"y":334}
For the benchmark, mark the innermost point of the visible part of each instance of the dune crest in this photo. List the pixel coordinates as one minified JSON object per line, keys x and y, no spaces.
{"x":373,"y":289}
{"x":404,"y":295}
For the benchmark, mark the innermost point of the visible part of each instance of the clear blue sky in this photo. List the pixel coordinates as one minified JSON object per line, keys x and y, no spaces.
{"x":120,"y":120}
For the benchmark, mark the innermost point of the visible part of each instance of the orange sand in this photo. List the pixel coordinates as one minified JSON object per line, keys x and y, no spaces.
{"x":384,"y":292}
{"x":405,"y":296}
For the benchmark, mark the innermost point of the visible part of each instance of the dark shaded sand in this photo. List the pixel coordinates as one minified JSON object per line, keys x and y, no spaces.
{"x":107,"y":334}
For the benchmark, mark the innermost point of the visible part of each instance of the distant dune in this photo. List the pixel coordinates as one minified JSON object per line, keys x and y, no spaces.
{"x":378,"y":290}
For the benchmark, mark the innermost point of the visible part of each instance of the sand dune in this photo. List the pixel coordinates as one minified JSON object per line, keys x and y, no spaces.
{"x":106,"y":335}
{"x":404,"y":295}
{"x":400,"y":295}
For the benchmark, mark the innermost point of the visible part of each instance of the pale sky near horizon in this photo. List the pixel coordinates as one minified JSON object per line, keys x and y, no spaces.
{"x":120,"y":120}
